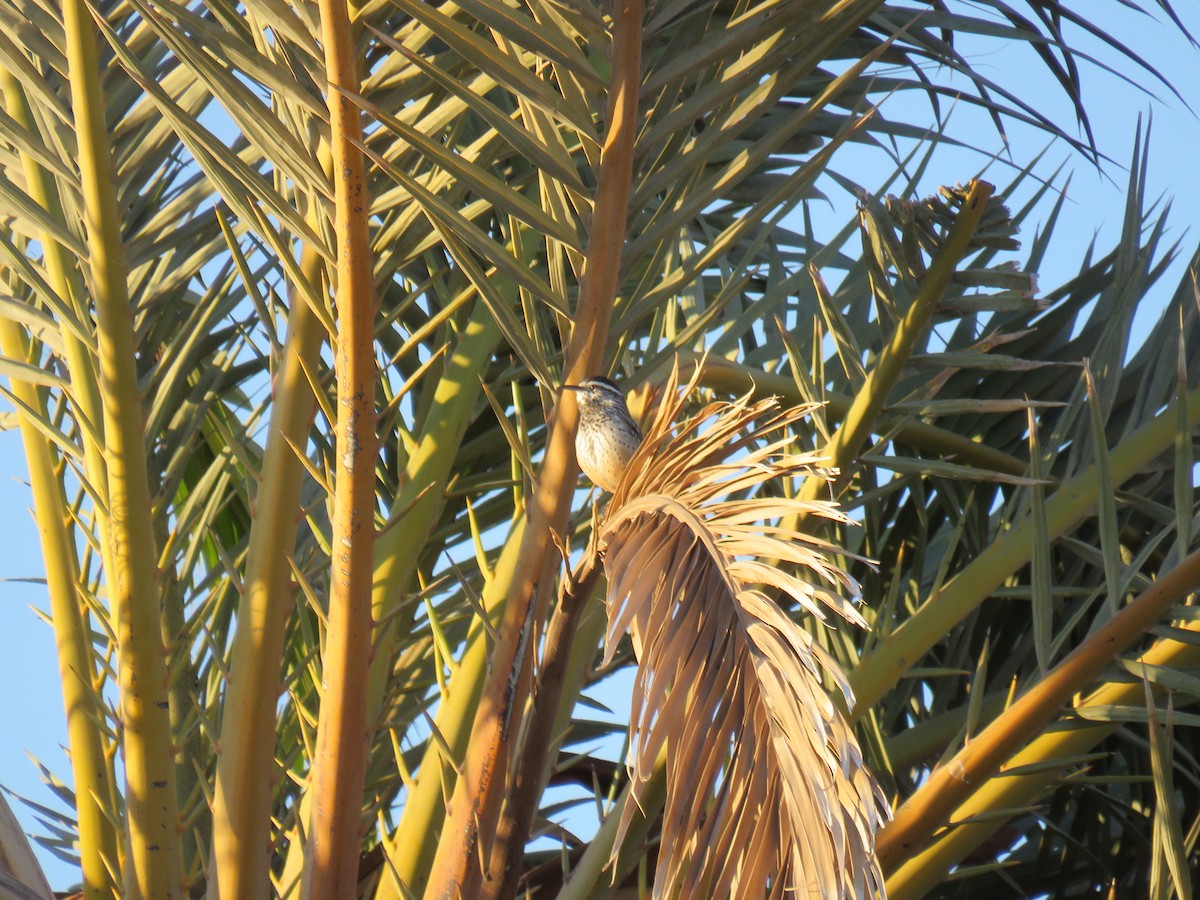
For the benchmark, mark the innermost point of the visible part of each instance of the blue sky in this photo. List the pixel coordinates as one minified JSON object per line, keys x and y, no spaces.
{"x":33,"y":703}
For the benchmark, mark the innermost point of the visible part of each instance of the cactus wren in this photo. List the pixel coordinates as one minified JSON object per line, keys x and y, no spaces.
{"x":607,"y":434}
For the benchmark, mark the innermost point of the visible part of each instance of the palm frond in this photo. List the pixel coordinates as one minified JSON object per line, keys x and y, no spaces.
{"x":766,"y":786}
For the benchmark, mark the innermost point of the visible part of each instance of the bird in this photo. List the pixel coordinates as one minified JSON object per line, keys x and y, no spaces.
{"x":607,"y":435}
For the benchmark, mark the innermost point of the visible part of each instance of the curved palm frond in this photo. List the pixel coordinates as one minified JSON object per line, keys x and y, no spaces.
{"x":766,"y":786}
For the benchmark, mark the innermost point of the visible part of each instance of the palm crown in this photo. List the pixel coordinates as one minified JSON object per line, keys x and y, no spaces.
{"x":276,"y":279}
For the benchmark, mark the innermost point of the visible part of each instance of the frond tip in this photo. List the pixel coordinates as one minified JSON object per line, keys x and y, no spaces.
{"x":767,"y":792}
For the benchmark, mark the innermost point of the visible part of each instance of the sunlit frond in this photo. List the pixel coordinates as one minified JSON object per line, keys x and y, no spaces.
{"x":767,"y":789}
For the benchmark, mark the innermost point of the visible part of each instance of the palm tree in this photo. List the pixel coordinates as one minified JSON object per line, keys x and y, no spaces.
{"x":291,"y":294}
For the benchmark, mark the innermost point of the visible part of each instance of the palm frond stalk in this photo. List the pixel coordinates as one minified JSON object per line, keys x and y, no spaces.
{"x":151,"y":802}
{"x":343,"y":730}
{"x":479,"y":791}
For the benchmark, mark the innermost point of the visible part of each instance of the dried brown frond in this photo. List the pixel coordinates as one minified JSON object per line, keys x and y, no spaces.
{"x":767,"y":793}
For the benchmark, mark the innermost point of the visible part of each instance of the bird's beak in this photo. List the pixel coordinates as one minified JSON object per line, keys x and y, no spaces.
{"x":574,"y":387}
